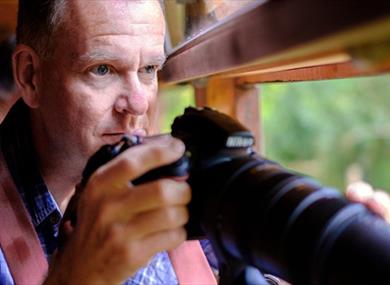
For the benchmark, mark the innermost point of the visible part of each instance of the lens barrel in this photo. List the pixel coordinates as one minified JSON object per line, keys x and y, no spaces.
{"x":289,"y":225}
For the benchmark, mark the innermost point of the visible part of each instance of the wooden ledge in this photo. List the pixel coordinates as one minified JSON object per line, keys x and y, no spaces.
{"x":280,"y":33}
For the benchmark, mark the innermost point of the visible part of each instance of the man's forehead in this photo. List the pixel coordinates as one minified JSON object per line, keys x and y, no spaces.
{"x":101,"y":13}
{"x":105,"y":29}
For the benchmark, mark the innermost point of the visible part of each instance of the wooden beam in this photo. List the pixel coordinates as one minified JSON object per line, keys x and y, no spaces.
{"x":218,"y":93}
{"x":279,"y":32}
{"x":248,"y":111}
{"x":8,"y":15}
{"x":330,"y":71}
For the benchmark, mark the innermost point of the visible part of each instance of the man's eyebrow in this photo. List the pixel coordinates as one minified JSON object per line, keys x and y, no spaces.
{"x":159,"y":60}
{"x":104,"y":55}
{"x":97,"y":56}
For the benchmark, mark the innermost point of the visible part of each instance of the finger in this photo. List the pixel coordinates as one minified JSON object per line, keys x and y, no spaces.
{"x":147,"y":197}
{"x":132,"y":163}
{"x":163,"y":241}
{"x":137,"y":252}
{"x":156,"y":221}
{"x":380,"y":204}
{"x":161,"y":193}
{"x":359,"y":192}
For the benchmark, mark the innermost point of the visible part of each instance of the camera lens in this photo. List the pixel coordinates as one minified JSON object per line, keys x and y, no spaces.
{"x":287,"y":224}
{"x":257,"y":213}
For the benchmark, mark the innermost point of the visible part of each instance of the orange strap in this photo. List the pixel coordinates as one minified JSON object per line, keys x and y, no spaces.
{"x":18,"y":239}
{"x":190,"y":264}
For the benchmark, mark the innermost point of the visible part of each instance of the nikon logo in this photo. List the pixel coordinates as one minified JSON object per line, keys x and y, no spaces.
{"x":239,"y":142}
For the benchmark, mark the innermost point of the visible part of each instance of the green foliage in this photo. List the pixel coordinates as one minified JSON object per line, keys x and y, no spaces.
{"x":319,"y":128}
{"x":172,"y":102}
{"x":323,"y":128}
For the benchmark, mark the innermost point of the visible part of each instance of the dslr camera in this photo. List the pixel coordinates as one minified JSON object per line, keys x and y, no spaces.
{"x":258,"y":214}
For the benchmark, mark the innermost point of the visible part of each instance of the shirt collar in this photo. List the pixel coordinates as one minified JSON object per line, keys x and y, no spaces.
{"x":44,"y":205}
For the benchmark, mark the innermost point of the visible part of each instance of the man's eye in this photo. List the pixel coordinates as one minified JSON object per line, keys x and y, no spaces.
{"x":149,"y":69}
{"x":101,"y":70}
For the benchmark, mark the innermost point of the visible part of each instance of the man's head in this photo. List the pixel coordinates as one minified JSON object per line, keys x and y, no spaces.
{"x":91,"y":76}
{"x":37,"y":21}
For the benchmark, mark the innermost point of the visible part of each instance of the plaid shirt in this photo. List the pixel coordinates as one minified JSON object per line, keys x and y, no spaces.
{"x":15,"y":140}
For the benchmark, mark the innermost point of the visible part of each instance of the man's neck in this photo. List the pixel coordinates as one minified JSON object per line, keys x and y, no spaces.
{"x":31,"y":158}
{"x":60,"y":172}
{"x":62,"y":192}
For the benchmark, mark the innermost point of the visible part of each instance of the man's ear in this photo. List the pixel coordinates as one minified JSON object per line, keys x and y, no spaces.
{"x":26,"y":63}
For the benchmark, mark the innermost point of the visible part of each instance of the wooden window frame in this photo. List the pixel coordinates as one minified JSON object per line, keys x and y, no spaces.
{"x":281,"y":41}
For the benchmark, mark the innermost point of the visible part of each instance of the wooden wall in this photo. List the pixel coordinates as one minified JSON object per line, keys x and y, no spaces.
{"x":8,"y":11}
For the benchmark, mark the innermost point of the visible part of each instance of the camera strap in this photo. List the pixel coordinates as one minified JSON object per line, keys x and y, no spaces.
{"x":18,"y":238}
{"x":191,"y":265}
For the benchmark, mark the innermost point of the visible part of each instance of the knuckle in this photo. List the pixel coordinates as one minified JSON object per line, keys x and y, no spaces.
{"x":133,"y":256}
{"x":185,"y":215}
{"x":178,"y":236}
{"x":103,"y":213}
{"x":187,"y":193}
{"x":115,"y":234}
{"x":163,"y":191}
{"x":157,"y":153}
{"x":169,"y":192}
{"x":127,"y":165}
{"x":171,"y":216}
{"x":177,"y":216}
{"x":121,"y":246}
{"x":128,"y":254}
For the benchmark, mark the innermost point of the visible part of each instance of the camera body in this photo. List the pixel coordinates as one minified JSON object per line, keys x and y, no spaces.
{"x":256,"y":213}
{"x":211,"y":138}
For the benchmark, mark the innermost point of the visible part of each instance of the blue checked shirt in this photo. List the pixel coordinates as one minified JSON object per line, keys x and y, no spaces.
{"x":15,"y":142}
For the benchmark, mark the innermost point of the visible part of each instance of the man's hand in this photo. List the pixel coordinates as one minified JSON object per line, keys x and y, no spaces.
{"x":378,"y":201}
{"x":121,"y":226}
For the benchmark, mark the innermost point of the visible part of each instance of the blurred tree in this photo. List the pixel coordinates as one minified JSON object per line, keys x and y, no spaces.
{"x":172,"y":102}
{"x":324,"y":128}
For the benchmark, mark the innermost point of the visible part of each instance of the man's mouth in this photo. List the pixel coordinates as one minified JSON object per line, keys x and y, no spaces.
{"x":113,"y":137}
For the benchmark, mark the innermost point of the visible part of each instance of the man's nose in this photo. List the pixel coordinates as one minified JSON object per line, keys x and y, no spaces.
{"x":133,"y":99}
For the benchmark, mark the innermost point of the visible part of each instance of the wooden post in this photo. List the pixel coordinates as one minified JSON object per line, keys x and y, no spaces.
{"x":238,"y":101}
{"x":248,"y":111}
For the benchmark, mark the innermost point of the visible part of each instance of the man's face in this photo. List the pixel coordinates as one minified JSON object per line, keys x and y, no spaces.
{"x":101,"y":79}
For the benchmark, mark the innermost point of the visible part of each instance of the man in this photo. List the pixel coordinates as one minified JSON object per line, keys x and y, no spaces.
{"x":87,"y":72}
